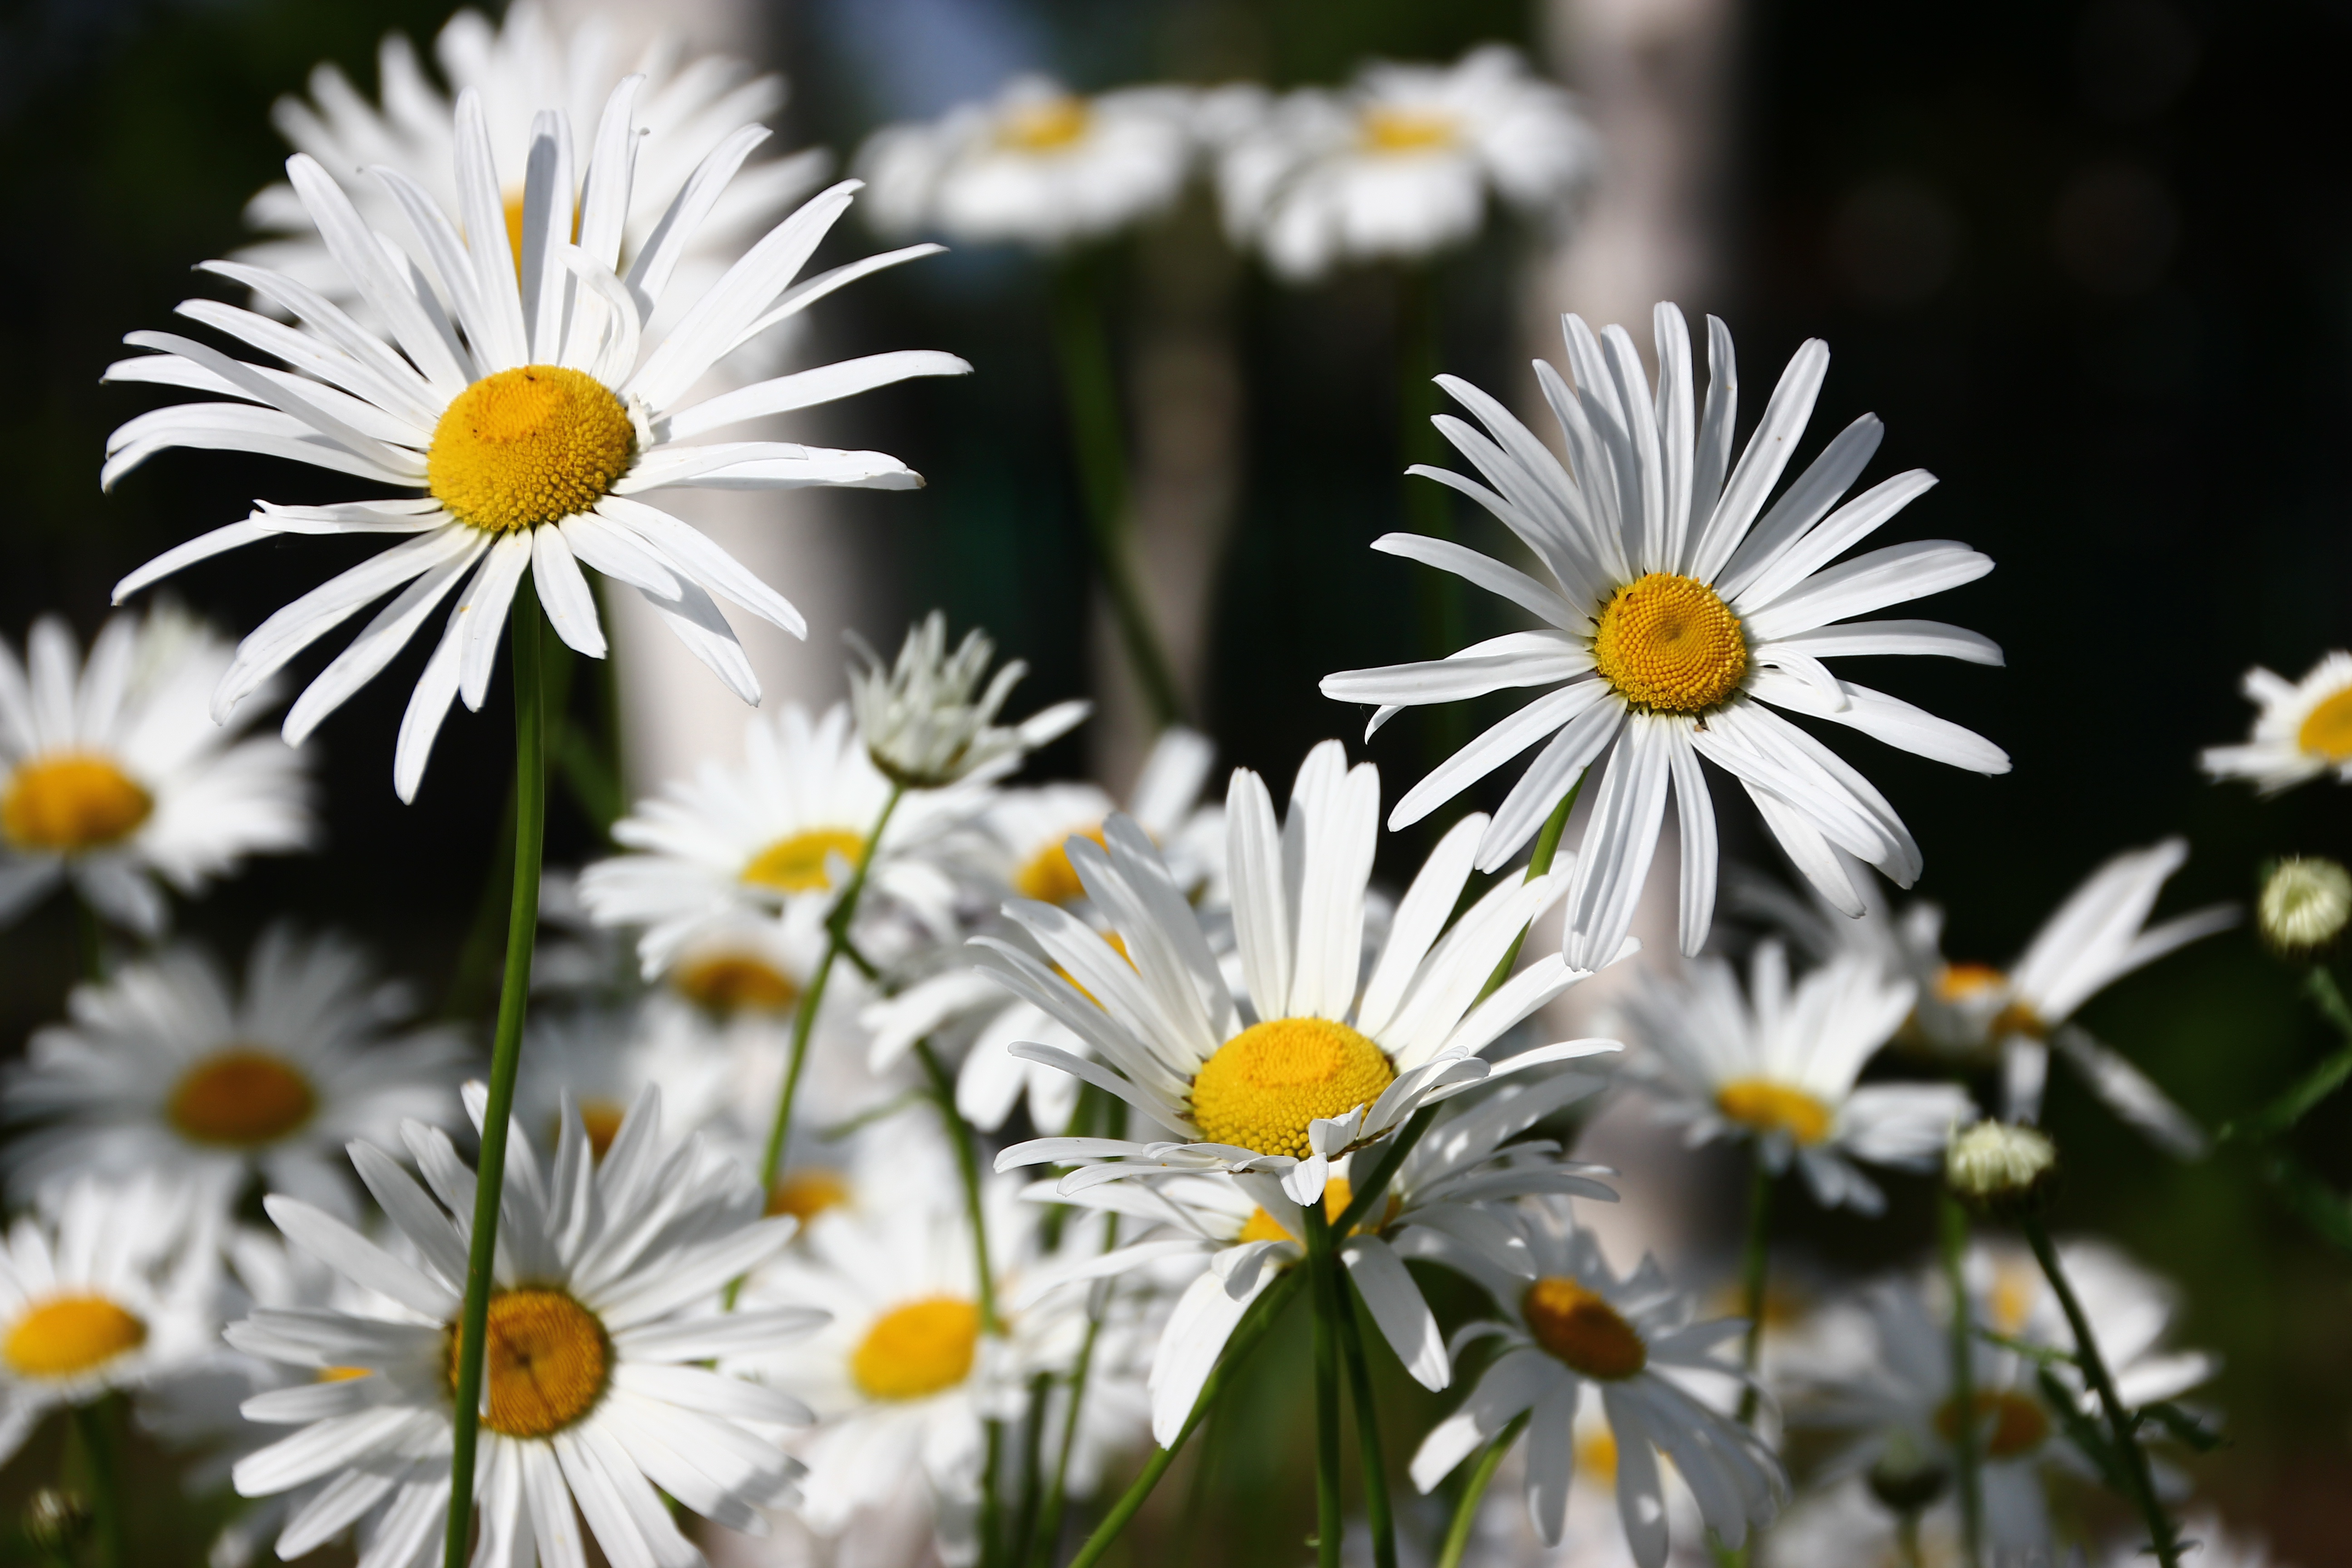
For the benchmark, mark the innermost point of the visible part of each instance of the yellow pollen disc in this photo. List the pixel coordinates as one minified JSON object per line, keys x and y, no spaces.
{"x":1336,"y":1196}
{"x":735,"y":983}
{"x":1266,"y":1084}
{"x":1580,"y":1327}
{"x":1962,"y":982}
{"x":1045,"y":127}
{"x":70,"y":1334}
{"x":917,"y":1349}
{"x":547,"y":1365}
{"x":1406,"y":130}
{"x":69,"y":802}
{"x":2019,"y":1018}
{"x":2012,"y":1424}
{"x":799,"y":864}
{"x":2328,"y":729}
{"x":804,"y":1194}
{"x":1048,"y":877}
{"x":1596,"y":1457}
{"x":241,"y":1097}
{"x":343,"y":1373}
{"x":1767,"y":1107}
{"x":1669,"y":643}
{"x":514,"y":228}
{"x":600,"y":1120}
{"x":529,"y":446}
{"x":2014,"y":1291}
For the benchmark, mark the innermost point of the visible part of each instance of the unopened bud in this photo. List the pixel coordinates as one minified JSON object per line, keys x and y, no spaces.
{"x":1999,"y":1164}
{"x":1907,"y":1479}
{"x":54,"y":1519}
{"x":2304,"y":905}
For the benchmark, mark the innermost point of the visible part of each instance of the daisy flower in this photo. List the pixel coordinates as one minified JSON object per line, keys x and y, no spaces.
{"x":2303,"y":729}
{"x":113,"y":1289}
{"x":607,"y":1295}
{"x":596,"y":1061}
{"x":117,"y":777}
{"x":1038,"y":165}
{"x":928,"y":722}
{"x":1778,"y":1065}
{"x":517,"y":399}
{"x":1591,"y":1535}
{"x":780,"y":832}
{"x":1681,"y":614}
{"x":1397,"y":167}
{"x":1308,"y":1065}
{"x":1633,"y":1340}
{"x":170,"y":1069}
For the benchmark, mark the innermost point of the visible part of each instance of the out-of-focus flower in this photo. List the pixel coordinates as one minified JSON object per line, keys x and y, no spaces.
{"x":527,"y":424}
{"x":1682,"y":615}
{"x":167,"y":1070}
{"x":1999,"y":1164}
{"x":2303,"y":729}
{"x":607,"y":1296}
{"x":116,"y":774}
{"x":1780,"y":1064}
{"x":927,"y":722}
{"x":2306,"y":902}
{"x":1038,"y":165}
{"x":1399,"y":166}
{"x":2216,"y":1547}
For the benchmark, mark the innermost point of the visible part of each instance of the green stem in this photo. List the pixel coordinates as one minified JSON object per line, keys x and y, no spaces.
{"x":1473,"y":1490}
{"x":1377,"y":1511}
{"x":1090,"y":394}
{"x":991,"y":1511}
{"x":1033,"y":1470}
{"x":968,"y":1168}
{"x":95,"y":1423}
{"x":1320,"y":1266}
{"x":1252,"y":1328}
{"x":1906,"y":1540}
{"x":2122,"y":1426}
{"x":1967,"y":1434}
{"x":92,"y":936}
{"x":1755,"y":1262}
{"x":1049,"y":1522}
{"x":1539,"y":865}
{"x":506,"y":1058}
{"x":2316,"y":1085}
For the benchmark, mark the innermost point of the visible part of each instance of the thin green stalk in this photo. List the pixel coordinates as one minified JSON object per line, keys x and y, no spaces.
{"x":1473,"y":1490}
{"x":1252,"y":1329}
{"x":1967,"y":1433}
{"x":967,"y":1168}
{"x":1033,"y":1469}
{"x":1377,"y":1512}
{"x":992,"y":1510}
{"x":506,"y":1056}
{"x":93,"y":937}
{"x":1755,"y":1262}
{"x":95,"y":1423}
{"x":1049,"y":1522}
{"x":1907,"y":1540}
{"x":1090,"y":394}
{"x":1539,"y":865}
{"x":1320,"y":1266}
{"x":2122,"y":1425}
{"x":2314,"y":1086}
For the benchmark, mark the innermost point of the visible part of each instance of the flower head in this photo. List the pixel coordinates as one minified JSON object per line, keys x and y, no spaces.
{"x":1999,"y":1164}
{"x":928,"y":722}
{"x":2304,"y":905}
{"x":2303,"y":728}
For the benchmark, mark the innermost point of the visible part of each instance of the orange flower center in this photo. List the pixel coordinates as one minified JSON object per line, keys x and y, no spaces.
{"x":802,"y":862}
{"x":1669,"y":643}
{"x":806,"y":1194}
{"x":241,"y":1097}
{"x":731,"y":982}
{"x":536,"y":444}
{"x":1765,"y":1107}
{"x":69,"y":802}
{"x":547,"y":1365}
{"x":66,"y":1335}
{"x":1266,"y":1085}
{"x":920,"y":1349}
{"x":1579,"y":1327}
{"x":2328,"y":729}
{"x":1048,"y":877}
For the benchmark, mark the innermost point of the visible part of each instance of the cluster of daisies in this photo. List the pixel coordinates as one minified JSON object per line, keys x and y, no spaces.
{"x":905,"y":1159}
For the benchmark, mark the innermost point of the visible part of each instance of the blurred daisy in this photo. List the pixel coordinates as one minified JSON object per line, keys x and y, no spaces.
{"x":1633,"y":1340}
{"x":528,"y":422}
{"x":608,"y":1282}
{"x":1397,"y":166}
{"x":1308,"y":1066}
{"x":1036,"y":164}
{"x":113,"y":1290}
{"x":168,"y":1070}
{"x":2303,"y":729}
{"x":1681,"y":614}
{"x":781,"y":831}
{"x":596,"y":1061}
{"x":1593,"y":1536}
{"x":2216,"y":1547}
{"x":1778,"y":1065}
{"x":928,"y":722}
{"x":116,"y":775}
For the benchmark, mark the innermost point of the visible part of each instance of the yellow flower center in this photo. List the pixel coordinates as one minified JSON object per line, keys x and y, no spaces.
{"x":802,"y":862}
{"x":69,"y":1334}
{"x":1266,"y":1084}
{"x":1582,"y":1329}
{"x":2012,"y":1424}
{"x":1596,"y":1456}
{"x":600,"y":1120}
{"x":1336,"y":1196}
{"x":728,"y":982}
{"x":2019,"y":1018}
{"x":2015,"y":1288}
{"x":70,"y":802}
{"x":240,"y":1097}
{"x":1965,"y":982}
{"x":806,"y":1194}
{"x":533,"y":444}
{"x":2328,"y":729}
{"x":1669,"y":643}
{"x":547,"y":1363}
{"x":1385,"y":130}
{"x":1767,"y":1107}
{"x":917,"y":1349}
{"x":343,"y":1373}
{"x":1045,"y":127}
{"x":1048,"y":877}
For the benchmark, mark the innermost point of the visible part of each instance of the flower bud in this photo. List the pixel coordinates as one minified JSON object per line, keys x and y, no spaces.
{"x":2304,"y":905}
{"x":1999,"y":1165}
{"x":1907,"y":1479}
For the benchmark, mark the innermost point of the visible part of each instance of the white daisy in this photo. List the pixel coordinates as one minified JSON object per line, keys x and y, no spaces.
{"x":2304,"y":729}
{"x":785,"y":829}
{"x":116,"y":774}
{"x":1633,"y":1340}
{"x":168,"y":1070}
{"x":607,"y":1295}
{"x":521,"y":403}
{"x":1038,"y":165}
{"x":1779,"y":1064}
{"x":928,"y":722}
{"x":1681,"y":613}
{"x":1308,"y":1065}
{"x":598,"y":1060}
{"x":1397,"y":166}
{"x":1592,"y":1536}
{"x":113,"y":1291}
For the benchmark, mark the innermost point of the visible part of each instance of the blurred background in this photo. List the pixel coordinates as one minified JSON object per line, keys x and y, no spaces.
{"x":2091,"y":263}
